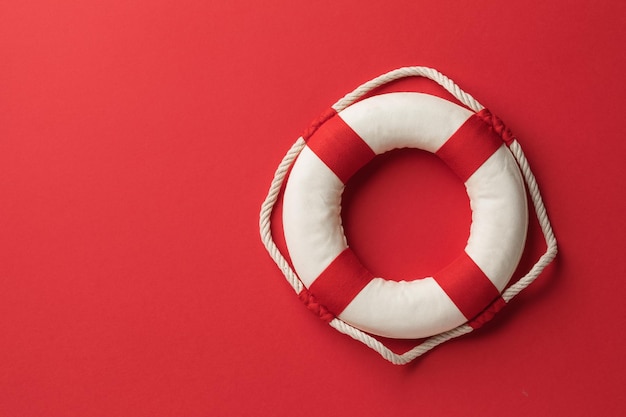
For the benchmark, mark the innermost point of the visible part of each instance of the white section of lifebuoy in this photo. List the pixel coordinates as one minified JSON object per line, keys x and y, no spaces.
{"x":391,"y":121}
{"x":312,"y":216}
{"x":499,"y":217}
{"x":312,"y":222}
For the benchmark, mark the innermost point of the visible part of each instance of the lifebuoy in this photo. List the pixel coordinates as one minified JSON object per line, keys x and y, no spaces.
{"x":317,"y":245}
{"x":329,"y":278}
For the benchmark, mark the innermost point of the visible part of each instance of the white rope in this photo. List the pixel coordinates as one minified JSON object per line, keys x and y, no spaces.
{"x":266,"y":213}
{"x":544,"y":222}
{"x":404,"y":72}
{"x":392,"y":357}
{"x":516,"y":150}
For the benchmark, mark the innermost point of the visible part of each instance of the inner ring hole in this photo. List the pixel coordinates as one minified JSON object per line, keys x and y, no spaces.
{"x":406,"y":215}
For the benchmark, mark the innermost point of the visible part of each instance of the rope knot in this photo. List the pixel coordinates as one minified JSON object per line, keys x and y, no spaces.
{"x":327,"y":114}
{"x":315,"y":306}
{"x":487,"y":314}
{"x":497,"y":125}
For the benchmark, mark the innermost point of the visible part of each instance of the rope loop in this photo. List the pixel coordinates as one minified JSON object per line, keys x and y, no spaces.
{"x":498,"y":126}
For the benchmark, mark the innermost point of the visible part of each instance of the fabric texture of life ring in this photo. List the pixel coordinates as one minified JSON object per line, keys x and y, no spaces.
{"x":328,"y":276}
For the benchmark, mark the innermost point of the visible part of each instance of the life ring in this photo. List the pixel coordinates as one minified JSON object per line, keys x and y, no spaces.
{"x":317,"y":245}
{"x":330,"y":279}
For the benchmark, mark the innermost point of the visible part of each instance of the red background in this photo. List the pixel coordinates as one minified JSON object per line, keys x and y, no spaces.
{"x":138,"y":140}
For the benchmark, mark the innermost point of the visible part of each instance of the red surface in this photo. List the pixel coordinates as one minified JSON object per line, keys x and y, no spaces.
{"x":138,"y":139}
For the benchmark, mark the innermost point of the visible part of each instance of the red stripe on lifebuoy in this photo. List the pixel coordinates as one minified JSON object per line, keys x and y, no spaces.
{"x":340,"y":282}
{"x":467,"y":286}
{"x":340,"y":148}
{"x":469,"y":147}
